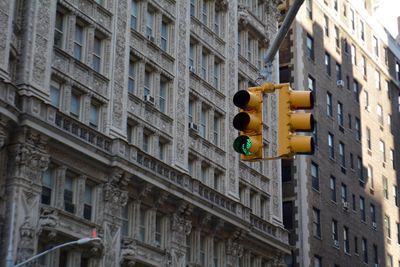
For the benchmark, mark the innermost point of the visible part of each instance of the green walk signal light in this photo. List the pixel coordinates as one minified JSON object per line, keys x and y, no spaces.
{"x":292,"y":121}
{"x":249,"y":143}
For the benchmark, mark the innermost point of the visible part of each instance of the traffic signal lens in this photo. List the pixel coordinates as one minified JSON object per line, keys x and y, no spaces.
{"x":242,"y":145}
{"x":241,"y":121}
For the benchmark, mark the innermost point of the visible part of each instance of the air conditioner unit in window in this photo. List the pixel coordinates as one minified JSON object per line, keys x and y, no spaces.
{"x":149,"y":99}
{"x":192,"y":69}
{"x":367,"y":108}
{"x":336,"y":243}
{"x":340,"y":83}
{"x":150,"y":38}
{"x":346,"y":205}
{"x":374,"y":225}
{"x":193,"y":126}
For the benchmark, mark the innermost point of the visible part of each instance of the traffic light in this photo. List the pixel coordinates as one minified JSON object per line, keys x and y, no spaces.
{"x":291,"y":121}
{"x":249,"y":122}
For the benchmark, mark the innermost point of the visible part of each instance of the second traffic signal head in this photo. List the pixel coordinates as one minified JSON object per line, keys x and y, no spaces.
{"x":291,"y":121}
{"x":249,"y":122}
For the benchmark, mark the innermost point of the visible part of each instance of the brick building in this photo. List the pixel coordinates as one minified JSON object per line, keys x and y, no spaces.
{"x":341,"y":205}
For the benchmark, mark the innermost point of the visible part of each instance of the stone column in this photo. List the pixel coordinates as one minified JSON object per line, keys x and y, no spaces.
{"x":180,"y":228}
{"x":28,"y":159}
{"x":115,"y":198}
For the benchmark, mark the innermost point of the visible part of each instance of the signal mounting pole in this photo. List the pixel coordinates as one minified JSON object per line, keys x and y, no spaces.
{"x":266,"y":73}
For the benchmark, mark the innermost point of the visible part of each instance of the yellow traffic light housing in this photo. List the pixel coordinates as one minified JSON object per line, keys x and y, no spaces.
{"x":249,"y":122}
{"x":290,"y":122}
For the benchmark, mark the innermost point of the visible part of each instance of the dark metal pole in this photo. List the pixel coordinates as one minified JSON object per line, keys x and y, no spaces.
{"x":287,"y":22}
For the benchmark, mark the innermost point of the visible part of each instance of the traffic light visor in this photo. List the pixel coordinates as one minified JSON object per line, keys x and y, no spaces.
{"x":301,"y":100}
{"x":247,"y":122}
{"x":245,"y":99}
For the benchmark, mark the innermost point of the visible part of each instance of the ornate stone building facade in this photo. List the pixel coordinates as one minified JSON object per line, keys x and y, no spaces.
{"x":341,"y":205}
{"x":115,"y":115}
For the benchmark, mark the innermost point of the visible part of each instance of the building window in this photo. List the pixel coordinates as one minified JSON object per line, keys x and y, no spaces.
{"x":203,"y":122}
{"x":163,"y":95}
{"x":47,"y":186}
{"x":379,"y":112}
{"x":326,"y":26}
{"x":310,"y":48}
{"x":364,"y":249}
{"x":150,"y":22}
{"x":389,"y":260}
{"x":164,"y":35}
{"x":202,"y":249}
{"x":134,"y":14}
{"x":75,"y":104}
{"x":342,"y":154}
{"x":59,"y":30}
{"x":88,"y":201}
{"x":309,"y":9}
{"x":94,"y":115}
{"x":217,"y":21}
{"x":162,"y":147}
{"x":356,"y":245}
{"x":204,"y":173}
{"x":332,"y":186}
{"x":314,"y":176}
{"x":217,"y":74}
{"x":204,"y":12}
{"x":395,"y":195}
{"x":142,"y":224}
{"x":377,"y":80}
{"x":338,"y":72}
{"x":357,"y":128}
{"x":97,"y":53}
{"x":158,"y":229}
{"x":397,"y":71}
{"x":351,"y":161}
{"x":398,"y":233}
{"x":385,"y":187}
{"x":375,"y":45}
{"x":343,"y":193}
{"x":346,"y":241}
{"x":125,"y":220}
{"x":316,"y":223}
{"x":146,"y":141}
{"x":315,"y":133}
{"x":317,"y":261}
{"x":353,"y":55}
{"x":340,"y":113}
{"x":362,"y":208}
{"x":382,"y":150}
{"x":386,"y":222}
{"x":190,"y":110}
{"x":216,"y":255}
{"x":147,"y":83}
{"x":192,"y":8}
{"x":55,"y":92}
{"x":191,"y":55}
{"x":352,"y":19}
{"x":69,"y":205}
{"x":373,"y":213}
{"x":337,"y":37}
{"x":216,"y":130}
{"x":331,"y":148}
{"x":311,"y":84}
{"x":78,"y":42}
{"x":370,"y":175}
{"x":359,"y":169}
{"x":328,"y":63}
{"x":329,"y":109}
{"x":366,"y":100}
{"x":204,"y":65}
{"x":362,"y":31}
{"x":364,"y":66}
{"x":335,"y":232}
{"x":132,"y":76}
{"x":391,"y":158}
